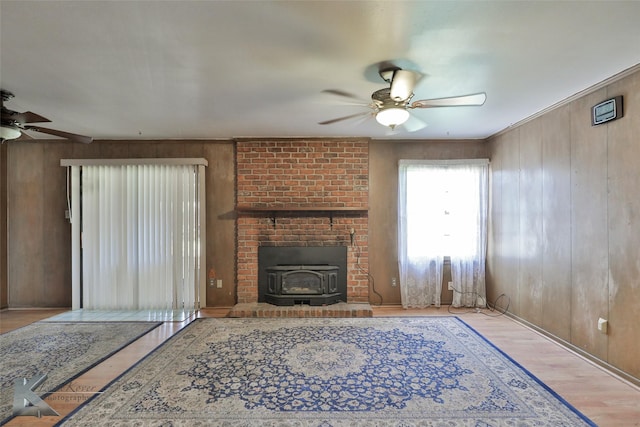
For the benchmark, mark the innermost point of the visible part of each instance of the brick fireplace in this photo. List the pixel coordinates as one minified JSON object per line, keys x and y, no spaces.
{"x":298,"y":193}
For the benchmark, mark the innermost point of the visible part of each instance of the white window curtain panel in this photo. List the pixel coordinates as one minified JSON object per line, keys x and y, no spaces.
{"x":442,"y":211}
{"x":141,"y":230}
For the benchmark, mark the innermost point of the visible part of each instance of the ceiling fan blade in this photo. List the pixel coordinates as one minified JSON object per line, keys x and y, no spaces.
{"x":475,"y":99}
{"x":414,"y":124}
{"x":402,"y":84}
{"x":66,"y":135}
{"x":345,"y":94}
{"x":339,"y":119}
{"x":28,"y":117}
{"x":23,"y":137}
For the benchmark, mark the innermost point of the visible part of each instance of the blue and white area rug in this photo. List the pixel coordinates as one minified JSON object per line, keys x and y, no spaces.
{"x":62,"y":351}
{"x":427,"y":371}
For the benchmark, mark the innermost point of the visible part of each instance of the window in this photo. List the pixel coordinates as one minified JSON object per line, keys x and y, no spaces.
{"x":442,"y":207}
{"x":442,"y":212}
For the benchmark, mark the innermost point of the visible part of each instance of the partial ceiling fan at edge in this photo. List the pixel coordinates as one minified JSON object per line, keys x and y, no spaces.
{"x":14,"y":124}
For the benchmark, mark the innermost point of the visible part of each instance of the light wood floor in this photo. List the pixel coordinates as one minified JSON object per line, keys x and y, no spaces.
{"x":606,"y":399}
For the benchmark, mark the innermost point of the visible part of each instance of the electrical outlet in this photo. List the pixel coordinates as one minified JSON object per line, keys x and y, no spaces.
{"x":212,"y":282}
{"x":450,"y":286}
{"x":219,"y":283}
{"x":602,"y":325}
{"x":394,"y":282}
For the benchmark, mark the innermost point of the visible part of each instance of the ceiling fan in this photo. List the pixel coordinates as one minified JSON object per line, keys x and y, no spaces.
{"x":13,"y":124}
{"x":390,"y":106}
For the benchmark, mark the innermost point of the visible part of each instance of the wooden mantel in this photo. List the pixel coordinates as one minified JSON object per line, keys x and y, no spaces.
{"x":300,"y":209}
{"x":273,"y":210}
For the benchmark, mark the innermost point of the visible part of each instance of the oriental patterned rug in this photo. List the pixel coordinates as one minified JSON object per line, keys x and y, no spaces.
{"x":418,"y":371}
{"x":60,"y":350}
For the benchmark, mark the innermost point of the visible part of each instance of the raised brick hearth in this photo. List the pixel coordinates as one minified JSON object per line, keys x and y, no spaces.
{"x":302,"y":193}
{"x":264,"y":310}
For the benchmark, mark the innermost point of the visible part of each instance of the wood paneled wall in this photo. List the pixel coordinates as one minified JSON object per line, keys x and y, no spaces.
{"x":4,"y":301}
{"x":38,"y":243}
{"x":564,"y":238}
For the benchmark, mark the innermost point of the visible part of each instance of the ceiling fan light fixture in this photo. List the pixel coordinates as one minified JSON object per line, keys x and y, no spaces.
{"x":9,"y":132}
{"x":392,"y":116}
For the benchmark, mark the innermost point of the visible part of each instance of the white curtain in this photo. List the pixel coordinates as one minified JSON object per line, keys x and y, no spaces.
{"x":420,"y":265}
{"x":469,"y":231}
{"x":442,"y":211}
{"x":140,"y":236}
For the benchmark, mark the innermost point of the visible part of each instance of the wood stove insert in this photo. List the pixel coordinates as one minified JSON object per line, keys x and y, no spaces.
{"x":302,"y":275}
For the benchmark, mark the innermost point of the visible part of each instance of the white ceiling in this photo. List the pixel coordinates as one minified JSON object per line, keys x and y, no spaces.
{"x":221,"y":69}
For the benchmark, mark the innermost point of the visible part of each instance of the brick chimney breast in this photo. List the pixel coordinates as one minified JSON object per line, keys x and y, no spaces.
{"x":302,"y":192}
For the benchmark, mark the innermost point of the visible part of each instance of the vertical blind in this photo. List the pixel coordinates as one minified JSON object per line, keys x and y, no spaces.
{"x":141,"y":243}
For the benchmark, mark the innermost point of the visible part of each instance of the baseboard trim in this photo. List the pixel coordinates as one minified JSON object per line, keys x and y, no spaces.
{"x":610,"y":369}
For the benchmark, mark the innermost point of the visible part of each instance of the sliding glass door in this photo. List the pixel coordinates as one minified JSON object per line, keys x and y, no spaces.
{"x":141,"y":227}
